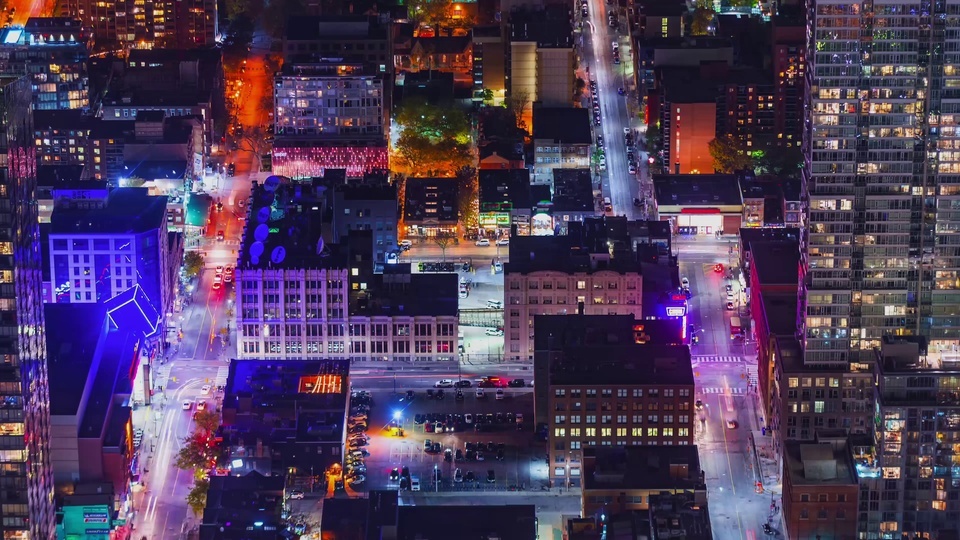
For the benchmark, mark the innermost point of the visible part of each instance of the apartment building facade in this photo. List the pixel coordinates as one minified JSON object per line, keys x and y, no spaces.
{"x":881,"y":178}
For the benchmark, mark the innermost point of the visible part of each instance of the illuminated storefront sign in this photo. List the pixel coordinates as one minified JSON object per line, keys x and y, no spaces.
{"x":676,"y":311}
{"x":89,"y":522}
{"x":313,"y":162}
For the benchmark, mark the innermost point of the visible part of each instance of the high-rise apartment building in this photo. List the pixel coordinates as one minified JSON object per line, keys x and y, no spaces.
{"x":154,"y":23}
{"x":881,"y":250}
{"x":26,"y":485}
{"x":54,"y":51}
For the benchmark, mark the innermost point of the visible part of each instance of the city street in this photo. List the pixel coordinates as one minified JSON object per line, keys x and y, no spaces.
{"x":597,"y":51}
{"x":723,"y":368}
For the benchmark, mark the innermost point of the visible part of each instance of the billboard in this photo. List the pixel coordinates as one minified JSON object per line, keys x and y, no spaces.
{"x":90,"y":522}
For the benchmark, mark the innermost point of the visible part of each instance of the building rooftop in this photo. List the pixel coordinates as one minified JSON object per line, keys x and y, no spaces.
{"x":776,"y":262}
{"x":431,"y":200}
{"x":283,"y":227}
{"x":513,"y":522}
{"x":64,"y":176}
{"x":683,"y":511}
{"x":781,"y":312}
{"x":507,"y":149}
{"x":748,"y":235}
{"x":127,"y":211}
{"x":67,"y":120}
{"x":314,"y":385}
{"x":587,"y":247}
{"x":710,"y":190}
{"x":549,"y":26}
{"x":368,"y":192}
{"x":562,"y":125}
{"x":399,"y":292}
{"x":572,"y":190}
{"x":504,"y":188}
{"x":235,"y":503}
{"x":818,"y":464}
{"x":334,"y":27}
{"x":154,"y":170}
{"x":628,"y":364}
{"x":642,"y":468}
{"x":664,"y":9}
{"x":555,"y":332}
{"x":111,"y":384}
{"x":73,"y":333}
{"x":326,"y":68}
{"x":685,"y":84}
{"x":687,"y":42}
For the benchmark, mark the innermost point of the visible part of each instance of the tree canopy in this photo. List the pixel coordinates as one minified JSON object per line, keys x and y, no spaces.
{"x":197,"y":497}
{"x":434,"y":139}
{"x":729,"y":154}
{"x":192,"y":263}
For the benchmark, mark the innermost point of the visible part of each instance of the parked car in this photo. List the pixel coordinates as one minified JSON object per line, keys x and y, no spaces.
{"x":480,"y":393}
{"x":443,"y":383}
{"x":463,"y":383}
{"x":458,"y":476}
{"x":494,"y":332}
{"x":491,"y":476}
{"x":483,"y":242}
{"x":516,"y":383}
{"x":500,"y":394}
{"x":503,"y":242}
{"x":296,"y":494}
{"x":187,"y":405}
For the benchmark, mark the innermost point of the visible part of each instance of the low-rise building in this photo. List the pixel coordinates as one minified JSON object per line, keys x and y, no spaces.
{"x":354,"y":38}
{"x":299,"y":297}
{"x":699,"y":204}
{"x":556,"y":275}
{"x":504,"y":201}
{"x":541,"y":56}
{"x":820,"y":488}
{"x":572,"y":201}
{"x":63,"y":137}
{"x":244,"y":507}
{"x":627,"y":478}
{"x":285,"y":420}
{"x":368,"y":206}
{"x":100,"y":248}
{"x":431,"y":207}
{"x":562,"y":139}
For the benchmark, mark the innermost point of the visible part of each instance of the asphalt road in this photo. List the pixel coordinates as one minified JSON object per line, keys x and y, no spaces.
{"x":721,"y":367}
{"x":598,"y":38}
{"x":201,"y":357}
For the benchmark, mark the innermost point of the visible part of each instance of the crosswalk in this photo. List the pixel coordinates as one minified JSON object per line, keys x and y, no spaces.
{"x":714,"y":359}
{"x":735,"y":391}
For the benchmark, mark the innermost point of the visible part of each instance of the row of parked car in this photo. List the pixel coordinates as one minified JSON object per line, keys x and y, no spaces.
{"x":452,"y":423}
{"x":357,"y":439}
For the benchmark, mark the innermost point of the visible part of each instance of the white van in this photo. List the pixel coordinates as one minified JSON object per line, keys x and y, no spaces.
{"x":414,"y":483}
{"x":607,"y":204}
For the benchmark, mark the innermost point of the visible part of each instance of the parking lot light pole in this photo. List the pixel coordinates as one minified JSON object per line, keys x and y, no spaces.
{"x":436,"y":477}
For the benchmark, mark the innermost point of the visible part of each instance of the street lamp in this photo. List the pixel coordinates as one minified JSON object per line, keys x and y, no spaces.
{"x":436,"y":477}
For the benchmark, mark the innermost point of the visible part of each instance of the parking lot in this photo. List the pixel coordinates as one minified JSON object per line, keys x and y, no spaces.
{"x":520,"y":457}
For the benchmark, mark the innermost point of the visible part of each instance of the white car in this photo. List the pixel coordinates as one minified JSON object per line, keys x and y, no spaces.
{"x":296,"y":494}
{"x":468,"y":418}
{"x":443,"y":383}
{"x":463,"y":293}
{"x":405,"y":244}
{"x":603,"y":165}
{"x":187,"y":405}
{"x":495,"y":332}
{"x":498,"y":267}
{"x":483,"y":242}
{"x":205,"y":390}
{"x":503,"y":242}
{"x":627,"y":131}
{"x":633,"y":169}
{"x":201,"y":405}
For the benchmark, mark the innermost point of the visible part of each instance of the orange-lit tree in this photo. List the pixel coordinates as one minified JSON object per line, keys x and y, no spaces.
{"x":435,"y":139}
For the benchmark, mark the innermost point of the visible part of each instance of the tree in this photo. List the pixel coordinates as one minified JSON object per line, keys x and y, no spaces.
{"x":197,"y":497}
{"x":195,"y":454}
{"x":579,"y":87}
{"x":469,"y":198}
{"x":207,"y":421}
{"x":443,"y":240}
{"x":193,"y":263}
{"x":487,"y":94}
{"x":238,"y":8}
{"x":517,"y":103}
{"x":701,"y":21}
{"x":729,"y":154}
{"x":434,"y":140}
{"x":255,"y":140}
{"x":435,"y":13}
{"x":780,"y":160}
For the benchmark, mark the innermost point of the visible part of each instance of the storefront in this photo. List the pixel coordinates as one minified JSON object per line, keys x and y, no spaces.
{"x":699,"y":205}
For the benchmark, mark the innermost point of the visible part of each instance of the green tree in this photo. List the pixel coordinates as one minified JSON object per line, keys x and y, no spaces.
{"x":435,"y":13}
{"x":197,"y":497}
{"x":469,"y":198}
{"x":238,"y":8}
{"x":517,"y":104}
{"x":434,"y":139}
{"x":487,"y":94}
{"x":780,"y":160}
{"x":701,"y":21}
{"x":193,"y":263}
{"x":579,"y":87}
{"x":207,"y":421}
{"x":729,"y":154}
{"x":196,"y":452}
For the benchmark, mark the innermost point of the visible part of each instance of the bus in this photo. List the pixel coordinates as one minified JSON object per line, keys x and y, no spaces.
{"x":736,"y":331}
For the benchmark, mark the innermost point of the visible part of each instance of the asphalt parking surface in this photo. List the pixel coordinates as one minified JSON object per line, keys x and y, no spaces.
{"x":523,"y":455}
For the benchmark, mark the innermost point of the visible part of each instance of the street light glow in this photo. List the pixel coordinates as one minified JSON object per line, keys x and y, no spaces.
{"x":396,"y":415}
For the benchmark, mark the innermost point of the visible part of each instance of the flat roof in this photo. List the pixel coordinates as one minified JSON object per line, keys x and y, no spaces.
{"x":781,"y":312}
{"x":320,"y":384}
{"x":776,"y":262}
{"x":565,"y":254}
{"x":66,"y":119}
{"x":73,"y":332}
{"x":110,"y":380}
{"x":127,"y":211}
{"x":284,"y":226}
{"x":548,"y":26}
{"x":368,"y":192}
{"x":642,"y":467}
{"x":505,"y":186}
{"x":628,"y":364}
{"x":512,"y":522}
{"x":749,"y":235}
{"x":818,"y":464}
{"x":707,"y":190}
{"x":432,"y":200}
{"x":398,"y":292}
{"x":562,"y":125}
{"x":572,"y":190}
{"x":333,"y":28}
{"x":686,"y":84}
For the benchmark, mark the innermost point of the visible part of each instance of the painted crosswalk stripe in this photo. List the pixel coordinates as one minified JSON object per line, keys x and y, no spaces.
{"x":713,"y":359}
{"x":733,"y":391}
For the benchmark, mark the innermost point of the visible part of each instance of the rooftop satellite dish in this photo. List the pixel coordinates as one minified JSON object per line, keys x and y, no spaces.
{"x":271,"y":183}
{"x":254,"y":260}
{"x":278,"y":255}
{"x":263,"y":214}
{"x":256,"y":250}
{"x":320,"y":245}
{"x":261,"y":232}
